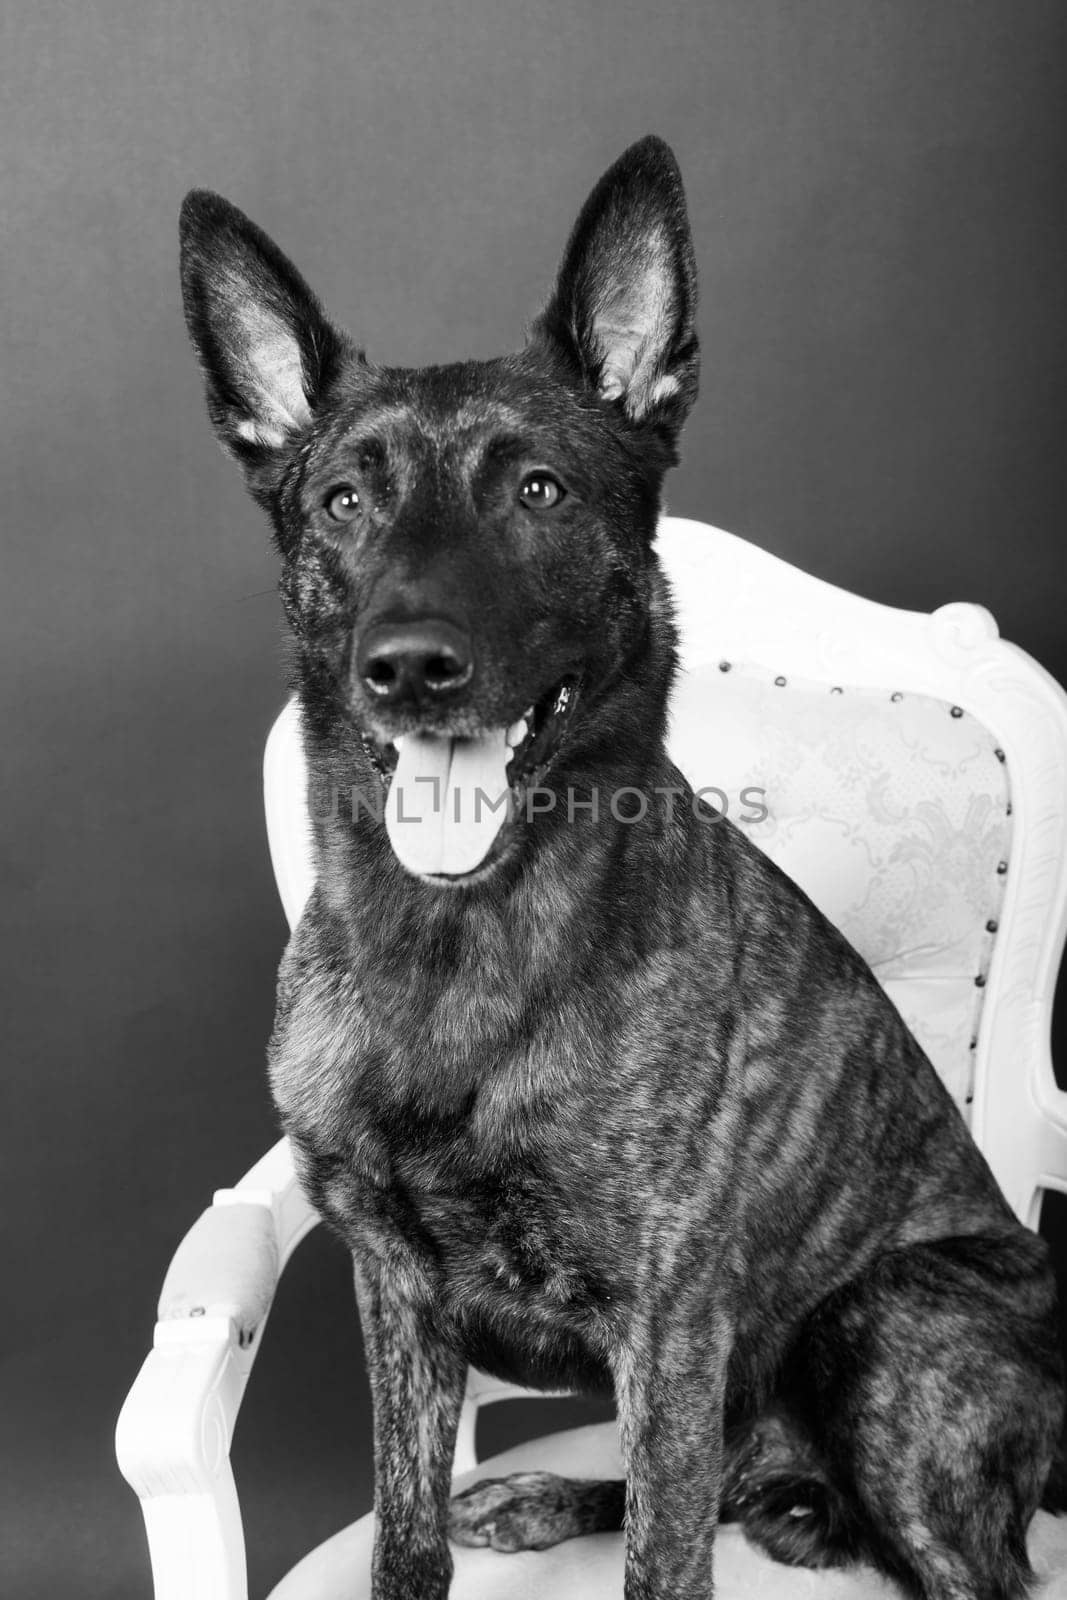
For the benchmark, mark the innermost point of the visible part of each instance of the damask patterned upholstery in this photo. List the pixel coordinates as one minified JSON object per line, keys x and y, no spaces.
{"x":892,"y":811}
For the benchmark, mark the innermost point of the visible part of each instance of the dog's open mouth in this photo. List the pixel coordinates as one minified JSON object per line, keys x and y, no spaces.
{"x":450,"y":799}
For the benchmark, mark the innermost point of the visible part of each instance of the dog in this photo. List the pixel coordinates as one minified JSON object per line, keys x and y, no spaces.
{"x":597,"y":1103}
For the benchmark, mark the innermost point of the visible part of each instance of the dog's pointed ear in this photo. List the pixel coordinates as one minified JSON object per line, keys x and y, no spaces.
{"x":624,"y":306}
{"x":267,"y":351}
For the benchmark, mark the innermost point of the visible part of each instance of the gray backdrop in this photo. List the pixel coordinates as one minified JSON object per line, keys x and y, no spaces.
{"x":877,"y":199}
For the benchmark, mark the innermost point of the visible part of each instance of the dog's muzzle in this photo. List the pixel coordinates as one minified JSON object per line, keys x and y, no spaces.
{"x":451,"y":797}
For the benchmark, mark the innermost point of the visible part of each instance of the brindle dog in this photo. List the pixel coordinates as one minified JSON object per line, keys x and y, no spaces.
{"x":596,"y":1103}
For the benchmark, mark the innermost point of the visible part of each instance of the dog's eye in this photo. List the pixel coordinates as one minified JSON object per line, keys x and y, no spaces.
{"x":539,"y":490}
{"x":342,"y":504}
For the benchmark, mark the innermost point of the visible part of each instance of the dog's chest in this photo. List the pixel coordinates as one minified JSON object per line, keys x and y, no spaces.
{"x":481,"y":1223}
{"x":462,"y":1164}
{"x":504,"y":1261}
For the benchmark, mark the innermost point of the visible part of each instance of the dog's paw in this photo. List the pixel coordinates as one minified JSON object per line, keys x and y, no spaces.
{"x":532,"y":1510}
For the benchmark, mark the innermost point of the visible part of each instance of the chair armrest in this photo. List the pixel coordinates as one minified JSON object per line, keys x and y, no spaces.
{"x":175,"y":1428}
{"x":226,"y":1267}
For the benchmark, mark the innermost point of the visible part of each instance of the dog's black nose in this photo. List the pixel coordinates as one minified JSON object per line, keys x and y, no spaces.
{"x":421,"y":659}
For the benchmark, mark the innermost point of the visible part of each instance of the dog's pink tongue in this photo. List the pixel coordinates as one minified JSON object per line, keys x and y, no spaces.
{"x":447,"y":801}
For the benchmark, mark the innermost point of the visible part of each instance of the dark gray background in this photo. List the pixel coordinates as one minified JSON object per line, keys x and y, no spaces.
{"x":877,"y":193}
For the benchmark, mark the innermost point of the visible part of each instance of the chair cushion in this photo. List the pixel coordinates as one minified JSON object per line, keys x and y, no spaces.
{"x":591,"y":1568}
{"x":892,"y":811}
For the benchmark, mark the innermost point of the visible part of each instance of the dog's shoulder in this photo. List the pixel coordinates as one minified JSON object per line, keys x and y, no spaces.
{"x":320,"y":1024}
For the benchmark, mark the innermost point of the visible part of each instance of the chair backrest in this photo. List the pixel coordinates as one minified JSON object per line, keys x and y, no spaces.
{"x":908,"y":770}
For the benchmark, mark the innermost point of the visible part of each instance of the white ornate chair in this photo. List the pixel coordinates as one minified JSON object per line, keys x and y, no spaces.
{"x":913,"y":770}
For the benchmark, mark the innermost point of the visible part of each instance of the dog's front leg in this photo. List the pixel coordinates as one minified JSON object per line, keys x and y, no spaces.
{"x":417,"y":1386}
{"x":670,"y":1384}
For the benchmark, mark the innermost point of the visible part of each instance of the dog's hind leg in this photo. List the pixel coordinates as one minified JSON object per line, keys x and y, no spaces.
{"x":532,"y":1510}
{"x":932,"y":1388}
{"x":777,"y":1485}
{"x":773,"y":1483}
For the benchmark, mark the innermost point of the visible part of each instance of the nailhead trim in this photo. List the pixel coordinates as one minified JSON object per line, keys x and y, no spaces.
{"x":896,"y":697}
{"x":992,"y":925}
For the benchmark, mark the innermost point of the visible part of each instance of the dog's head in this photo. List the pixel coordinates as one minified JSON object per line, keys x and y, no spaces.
{"x":467,"y":549}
